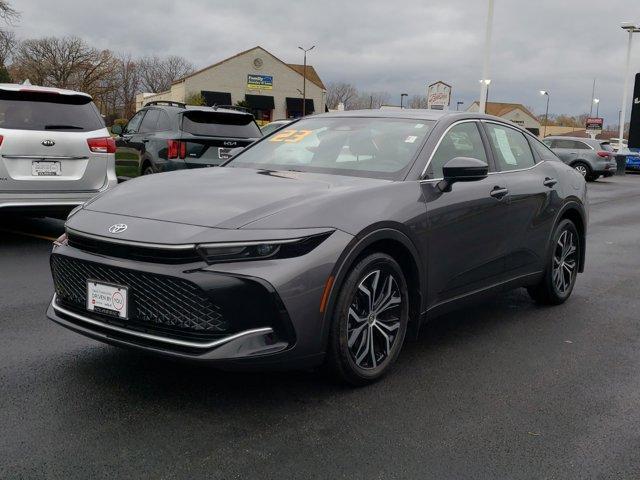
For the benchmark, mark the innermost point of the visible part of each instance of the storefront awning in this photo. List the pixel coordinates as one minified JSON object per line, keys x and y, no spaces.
{"x":216,"y":98}
{"x":260,"y":102}
{"x":295,"y":105}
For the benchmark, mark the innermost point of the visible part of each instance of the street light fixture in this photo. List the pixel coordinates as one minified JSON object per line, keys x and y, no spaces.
{"x":630,"y":28}
{"x":597,"y":102}
{"x":546,"y":113}
{"x":402,"y":95}
{"x":304,"y":80}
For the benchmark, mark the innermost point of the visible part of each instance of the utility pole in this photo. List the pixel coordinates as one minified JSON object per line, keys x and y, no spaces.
{"x":485,"y":65}
{"x":304,"y":80}
{"x":593,"y":94}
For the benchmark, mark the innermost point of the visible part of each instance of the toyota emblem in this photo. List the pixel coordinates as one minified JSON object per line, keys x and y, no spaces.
{"x":118,"y":228}
{"x":48,"y":143}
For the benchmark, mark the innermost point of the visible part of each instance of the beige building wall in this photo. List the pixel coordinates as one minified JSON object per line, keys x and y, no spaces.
{"x":231,"y":76}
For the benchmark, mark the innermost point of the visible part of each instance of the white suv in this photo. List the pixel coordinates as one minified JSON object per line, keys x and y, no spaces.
{"x":55,"y":151}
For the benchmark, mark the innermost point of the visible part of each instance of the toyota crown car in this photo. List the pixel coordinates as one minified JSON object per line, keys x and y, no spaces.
{"x":326,"y":243}
{"x":55,"y":151}
{"x":165,"y":136}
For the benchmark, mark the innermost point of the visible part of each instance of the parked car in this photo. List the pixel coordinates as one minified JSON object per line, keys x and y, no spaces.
{"x":165,"y":136}
{"x":55,"y":151}
{"x":383,"y":219}
{"x":271,"y":127}
{"x":592,"y":158}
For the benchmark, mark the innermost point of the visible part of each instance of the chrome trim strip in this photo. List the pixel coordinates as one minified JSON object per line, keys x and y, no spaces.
{"x":156,"y":338}
{"x":159,"y":246}
{"x":184,"y":246}
{"x":46,"y":157}
{"x":41,"y":204}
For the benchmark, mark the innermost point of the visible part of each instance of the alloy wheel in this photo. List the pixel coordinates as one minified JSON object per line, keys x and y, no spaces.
{"x":373,"y":320}
{"x":582,"y":170}
{"x":565,"y":262}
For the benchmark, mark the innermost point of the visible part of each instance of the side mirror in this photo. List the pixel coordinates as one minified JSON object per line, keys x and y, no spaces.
{"x":117,"y":129}
{"x":462,"y":169}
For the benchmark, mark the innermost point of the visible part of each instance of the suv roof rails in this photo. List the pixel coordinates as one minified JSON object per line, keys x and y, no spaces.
{"x":171,"y":103}
{"x":233,"y":107}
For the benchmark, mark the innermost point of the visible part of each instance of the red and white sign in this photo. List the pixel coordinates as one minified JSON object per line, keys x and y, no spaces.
{"x":438,"y":95}
{"x":594,"y":124}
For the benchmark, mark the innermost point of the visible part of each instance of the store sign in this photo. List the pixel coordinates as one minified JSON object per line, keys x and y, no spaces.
{"x":259,"y":82}
{"x":438,"y":96}
{"x":594,"y":124}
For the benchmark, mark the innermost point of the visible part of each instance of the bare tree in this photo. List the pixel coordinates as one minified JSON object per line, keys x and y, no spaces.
{"x":8,"y":44}
{"x":128,"y":80}
{"x":157,"y":74}
{"x":368,"y":100}
{"x":7,"y":13}
{"x":418,"y":101}
{"x":341,"y":92}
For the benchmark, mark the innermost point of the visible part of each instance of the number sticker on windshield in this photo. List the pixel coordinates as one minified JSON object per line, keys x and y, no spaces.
{"x":290,"y":136}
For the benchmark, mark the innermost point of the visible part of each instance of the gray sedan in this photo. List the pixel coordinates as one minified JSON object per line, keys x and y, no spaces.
{"x":327,"y":242}
{"x":592,"y":158}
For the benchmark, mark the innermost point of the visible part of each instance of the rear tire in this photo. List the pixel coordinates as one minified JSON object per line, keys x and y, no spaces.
{"x":148,"y":170}
{"x":369,"y":321}
{"x":584,"y":169}
{"x":562,"y":266}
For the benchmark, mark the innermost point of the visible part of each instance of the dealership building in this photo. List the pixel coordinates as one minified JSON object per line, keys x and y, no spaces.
{"x":271,"y":88}
{"x":514,"y":112}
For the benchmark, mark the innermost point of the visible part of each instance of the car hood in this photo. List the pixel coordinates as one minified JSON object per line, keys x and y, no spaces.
{"x":228,"y":198}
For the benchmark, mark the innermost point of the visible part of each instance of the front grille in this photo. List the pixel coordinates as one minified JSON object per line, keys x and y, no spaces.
{"x":133,"y":252}
{"x":154,"y":300}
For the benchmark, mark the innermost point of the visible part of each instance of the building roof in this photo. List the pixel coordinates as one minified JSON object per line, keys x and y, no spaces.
{"x":500,"y":109}
{"x":312,"y":75}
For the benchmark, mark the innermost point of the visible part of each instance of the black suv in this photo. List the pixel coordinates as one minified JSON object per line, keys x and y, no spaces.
{"x":166,"y":136}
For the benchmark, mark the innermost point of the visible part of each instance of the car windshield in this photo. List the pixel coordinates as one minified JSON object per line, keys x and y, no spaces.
{"x":367,"y":147}
{"x":606,"y":146}
{"x":48,"y":111}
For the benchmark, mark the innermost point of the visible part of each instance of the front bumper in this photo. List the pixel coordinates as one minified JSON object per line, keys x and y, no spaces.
{"x":270,"y":308}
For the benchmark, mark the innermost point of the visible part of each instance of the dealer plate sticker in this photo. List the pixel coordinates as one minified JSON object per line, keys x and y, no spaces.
{"x":107,"y":299}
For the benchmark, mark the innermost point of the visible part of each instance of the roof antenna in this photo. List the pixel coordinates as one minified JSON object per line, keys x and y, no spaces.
{"x":26,"y":82}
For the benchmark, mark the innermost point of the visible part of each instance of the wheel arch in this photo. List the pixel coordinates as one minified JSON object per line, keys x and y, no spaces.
{"x":395,"y":244}
{"x":575,"y":212}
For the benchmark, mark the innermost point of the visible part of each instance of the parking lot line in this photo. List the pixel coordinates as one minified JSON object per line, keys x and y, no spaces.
{"x":27,"y":234}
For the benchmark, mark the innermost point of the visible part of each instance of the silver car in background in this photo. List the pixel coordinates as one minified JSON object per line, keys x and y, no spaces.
{"x":592,"y":158}
{"x":55,"y":151}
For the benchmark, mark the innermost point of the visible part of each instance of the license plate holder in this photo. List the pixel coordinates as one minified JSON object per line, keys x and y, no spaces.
{"x":43,"y":168}
{"x":108,"y":299}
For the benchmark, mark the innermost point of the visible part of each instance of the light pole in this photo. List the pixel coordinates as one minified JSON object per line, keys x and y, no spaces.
{"x":597,"y":102}
{"x":630,"y":28}
{"x":546,"y":113}
{"x":485,"y":83}
{"x":458,"y":105}
{"x":485,"y":64}
{"x":402,"y":95}
{"x":304,"y":80}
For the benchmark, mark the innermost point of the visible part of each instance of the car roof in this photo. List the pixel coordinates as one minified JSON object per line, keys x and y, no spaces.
{"x":194,"y":108}
{"x":21,"y":87}
{"x":415,"y":114}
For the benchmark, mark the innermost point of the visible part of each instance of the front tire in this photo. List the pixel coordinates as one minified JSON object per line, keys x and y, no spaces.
{"x":369,"y":321}
{"x":562,"y":267}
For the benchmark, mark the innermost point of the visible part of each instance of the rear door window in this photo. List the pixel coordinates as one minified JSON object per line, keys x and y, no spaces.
{"x":568,"y":144}
{"x":512,"y":151}
{"x":150,"y":121}
{"x":220,"y":124}
{"x":581,"y":146}
{"x":48,"y":111}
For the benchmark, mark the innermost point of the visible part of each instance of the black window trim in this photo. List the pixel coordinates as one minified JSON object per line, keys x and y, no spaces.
{"x":144,"y":112}
{"x":145,"y":116}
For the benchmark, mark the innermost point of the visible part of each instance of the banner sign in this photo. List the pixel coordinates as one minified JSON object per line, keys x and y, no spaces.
{"x":634,"y":127}
{"x":438,"y":95}
{"x":259,"y":82}
{"x":594,"y":124}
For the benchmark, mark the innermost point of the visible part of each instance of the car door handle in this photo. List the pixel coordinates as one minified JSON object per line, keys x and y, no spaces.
{"x":549,"y":182}
{"x":499,"y":192}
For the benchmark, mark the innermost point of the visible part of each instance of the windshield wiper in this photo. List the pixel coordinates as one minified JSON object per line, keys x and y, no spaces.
{"x":62,"y":127}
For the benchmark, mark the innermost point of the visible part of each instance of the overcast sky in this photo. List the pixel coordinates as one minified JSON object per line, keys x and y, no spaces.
{"x":380,"y":45}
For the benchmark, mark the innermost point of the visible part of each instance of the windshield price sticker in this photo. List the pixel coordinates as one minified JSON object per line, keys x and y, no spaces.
{"x":290,"y":136}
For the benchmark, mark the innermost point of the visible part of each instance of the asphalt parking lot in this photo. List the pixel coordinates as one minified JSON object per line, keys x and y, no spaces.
{"x":506,"y":389}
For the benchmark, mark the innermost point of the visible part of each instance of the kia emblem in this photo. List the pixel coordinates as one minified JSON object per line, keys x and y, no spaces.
{"x":48,"y":143}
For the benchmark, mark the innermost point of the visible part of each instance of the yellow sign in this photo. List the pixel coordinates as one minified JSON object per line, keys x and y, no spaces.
{"x":290,"y":136}
{"x":259,"y":82}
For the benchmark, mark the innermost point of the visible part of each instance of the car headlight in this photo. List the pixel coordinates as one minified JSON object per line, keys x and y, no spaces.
{"x":260,"y":250}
